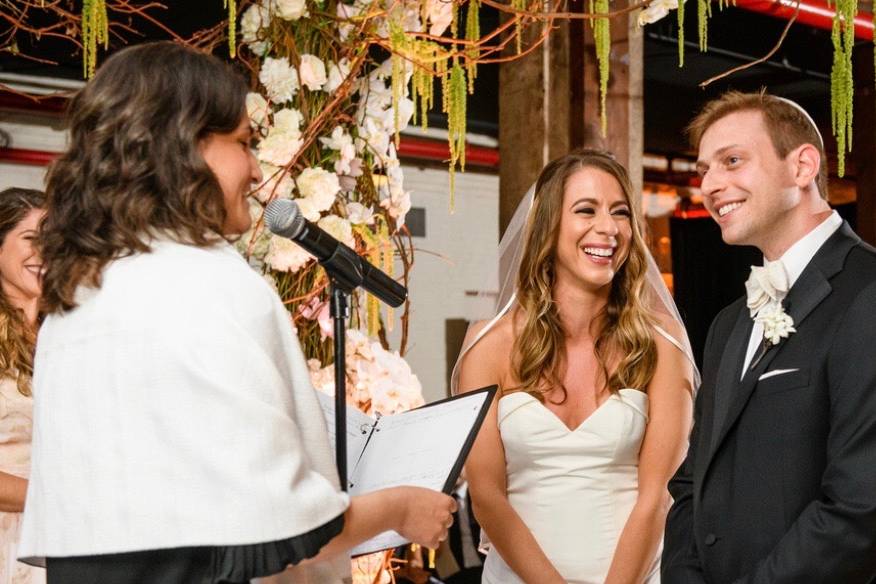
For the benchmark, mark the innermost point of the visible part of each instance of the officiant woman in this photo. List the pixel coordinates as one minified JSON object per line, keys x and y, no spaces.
{"x":177,"y":437}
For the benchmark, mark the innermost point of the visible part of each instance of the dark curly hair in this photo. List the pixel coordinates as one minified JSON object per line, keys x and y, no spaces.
{"x":17,"y":336}
{"x":133,"y":168}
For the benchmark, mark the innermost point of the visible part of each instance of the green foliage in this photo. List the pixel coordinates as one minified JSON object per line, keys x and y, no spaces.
{"x":472,"y":33}
{"x":602,"y":39}
{"x":518,"y":26}
{"x":95,"y":29}
{"x":704,"y":12}
{"x":232,"y":27}
{"x":680,"y":13}
{"x":454,"y":87}
{"x":842,"y":88}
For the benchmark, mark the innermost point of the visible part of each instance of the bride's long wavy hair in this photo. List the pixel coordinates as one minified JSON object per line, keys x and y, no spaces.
{"x":624,"y":345}
{"x":17,"y":336}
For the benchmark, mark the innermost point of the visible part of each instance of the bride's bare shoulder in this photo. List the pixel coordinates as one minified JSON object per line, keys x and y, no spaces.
{"x":501,"y":334}
{"x":487,"y":360}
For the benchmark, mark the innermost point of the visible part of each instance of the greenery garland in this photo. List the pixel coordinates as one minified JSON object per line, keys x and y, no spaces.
{"x":95,"y":29}
{"x":842,"y":86}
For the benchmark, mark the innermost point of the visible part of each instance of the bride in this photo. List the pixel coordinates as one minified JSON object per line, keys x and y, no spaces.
{"x":568,"y":474}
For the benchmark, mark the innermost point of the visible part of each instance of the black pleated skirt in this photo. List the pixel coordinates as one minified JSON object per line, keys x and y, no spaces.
{"x":235,"y":564}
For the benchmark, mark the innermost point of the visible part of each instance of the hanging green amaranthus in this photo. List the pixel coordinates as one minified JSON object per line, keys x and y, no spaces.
{"x":95,"y":29}
{"x":680,"y":13}
{"x":704,"y":12}
{"x":518,"y":23}
{"x":602,"y":39}
{"x":454,"y":88}
{"x":473,"y":34}
{"x":842,"y":89}
{"x":232,"y":26}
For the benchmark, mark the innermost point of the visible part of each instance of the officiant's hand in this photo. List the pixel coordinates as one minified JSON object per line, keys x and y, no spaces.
{"x":425,"y":515}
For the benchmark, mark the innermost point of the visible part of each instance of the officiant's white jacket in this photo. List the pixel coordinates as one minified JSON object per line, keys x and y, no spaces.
{"x":173,"y":408}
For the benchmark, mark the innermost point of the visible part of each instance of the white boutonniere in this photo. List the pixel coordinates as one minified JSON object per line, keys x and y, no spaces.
{"x":777,"y":324}
{"x":766,"y":287}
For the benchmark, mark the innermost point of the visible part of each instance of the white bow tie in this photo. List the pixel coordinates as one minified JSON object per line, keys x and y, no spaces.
{"x":767,"y":284}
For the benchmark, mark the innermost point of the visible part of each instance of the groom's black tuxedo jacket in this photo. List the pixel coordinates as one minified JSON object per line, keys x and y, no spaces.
{"x":779,"y":484}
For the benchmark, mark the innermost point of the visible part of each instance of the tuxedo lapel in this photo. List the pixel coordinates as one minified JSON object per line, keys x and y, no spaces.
{"x":729,"y":371}
{"x":810,"y":290}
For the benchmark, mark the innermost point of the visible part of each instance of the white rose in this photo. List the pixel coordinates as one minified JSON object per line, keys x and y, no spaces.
{"x":337,"y":74}
{"x":291,"y":9}
{"x":286,"y":256}
{"x":319,"y":186}
{"x":339,"y":228}
{"x":257,"y":108}
{"x":278,"y":149}
{"x":312,"y":72}
{"x":279,"y":79}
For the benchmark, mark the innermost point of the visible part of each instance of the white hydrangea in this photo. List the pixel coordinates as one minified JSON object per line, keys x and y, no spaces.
{"x":283,"y":140}
{"x":279,"y":79}
{"x":319,"y":187}
{"x":291,"y":9}
{"x":254,"y":19}
{"x":278,"y":148}
{"x":288,"y":121}
{"x":312,"y":70}
{"x":278,"y":184}
{"x":284,"y":255}
{"x":339,"y":228}
{"x":379,"y":381}
{"x":257,"y":109}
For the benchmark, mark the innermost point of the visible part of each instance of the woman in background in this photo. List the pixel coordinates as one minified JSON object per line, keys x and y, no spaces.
{"x":177,"y":437}
{"x":21,"y":211}
{"x":568,"y":474}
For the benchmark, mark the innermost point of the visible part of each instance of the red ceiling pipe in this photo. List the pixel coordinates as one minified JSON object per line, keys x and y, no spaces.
{"x":438,"y":150}
{"x":29,"y":157}
{"x":815,"y":13}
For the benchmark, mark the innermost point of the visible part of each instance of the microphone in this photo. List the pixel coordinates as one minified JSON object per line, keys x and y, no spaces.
{"x":343,"y":264}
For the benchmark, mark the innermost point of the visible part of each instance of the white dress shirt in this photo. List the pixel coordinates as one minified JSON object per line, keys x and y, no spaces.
{"x":795,"y":261}
{"x":173,"y":407}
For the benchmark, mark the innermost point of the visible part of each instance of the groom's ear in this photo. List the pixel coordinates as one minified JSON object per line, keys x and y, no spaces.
{"x":806,"y":162}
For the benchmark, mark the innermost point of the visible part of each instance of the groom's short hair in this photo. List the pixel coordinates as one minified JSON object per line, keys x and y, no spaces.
{"x":788,"y":124}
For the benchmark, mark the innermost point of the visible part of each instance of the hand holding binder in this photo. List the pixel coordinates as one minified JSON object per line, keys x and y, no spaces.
{"x":425,"y":447}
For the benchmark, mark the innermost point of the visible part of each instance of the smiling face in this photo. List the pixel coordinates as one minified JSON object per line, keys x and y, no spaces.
{"x":747,"y":188}
{"x":20,"y":262}
{"x":230,"y":158}
{"x":595,"y":229}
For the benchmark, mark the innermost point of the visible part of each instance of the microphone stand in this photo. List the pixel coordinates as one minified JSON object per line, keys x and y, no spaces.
{"x":340,"y":312}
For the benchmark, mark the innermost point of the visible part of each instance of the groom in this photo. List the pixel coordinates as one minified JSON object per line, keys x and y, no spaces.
{"x":779,"y":484}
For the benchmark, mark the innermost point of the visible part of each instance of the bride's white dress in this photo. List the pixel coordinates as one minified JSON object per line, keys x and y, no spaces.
{"x":574,"y":489}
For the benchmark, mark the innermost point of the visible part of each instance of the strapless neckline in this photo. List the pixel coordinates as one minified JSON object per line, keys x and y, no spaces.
{"x":642,"y":396}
